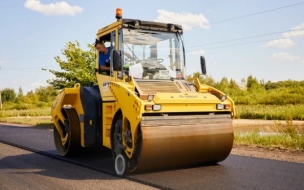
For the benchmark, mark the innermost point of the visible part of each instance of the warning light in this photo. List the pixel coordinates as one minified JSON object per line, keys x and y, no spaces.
{"x":118,"y":13}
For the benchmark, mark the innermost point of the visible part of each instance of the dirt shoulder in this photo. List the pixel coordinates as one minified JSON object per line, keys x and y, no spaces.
{"x":269,"y":153}
{"x":247,"y":125}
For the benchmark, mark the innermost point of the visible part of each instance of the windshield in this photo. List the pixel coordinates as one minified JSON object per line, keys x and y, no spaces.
{"x":153,"y":55}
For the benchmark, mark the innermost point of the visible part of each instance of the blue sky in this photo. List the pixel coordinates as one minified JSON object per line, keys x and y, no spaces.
{"x":33,"y":32}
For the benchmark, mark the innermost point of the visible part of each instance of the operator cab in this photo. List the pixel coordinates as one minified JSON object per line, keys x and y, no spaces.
{"x":155,"y":50}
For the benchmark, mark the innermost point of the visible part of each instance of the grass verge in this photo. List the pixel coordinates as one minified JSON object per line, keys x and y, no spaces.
{"x":270,"y":112}
{"x":25,"y":113}
{"x":286,"y":136}
{"x":34,"y":121}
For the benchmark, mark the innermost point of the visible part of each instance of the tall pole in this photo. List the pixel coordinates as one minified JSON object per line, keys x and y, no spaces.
{"x":0,"y":99}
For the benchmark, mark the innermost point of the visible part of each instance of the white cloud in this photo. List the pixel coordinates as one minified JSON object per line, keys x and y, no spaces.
{"x":285,"y":57}
{"x":280,"y":43}
{"x":187,"y":20}
{"x":198,"y":52}
{"x":299,"y":31}
{"x":294,"y":34}
{"x":286,"y":43}
{"x":37,"y":84}
{"x":301,"y":26}
{"x":58,"y":8}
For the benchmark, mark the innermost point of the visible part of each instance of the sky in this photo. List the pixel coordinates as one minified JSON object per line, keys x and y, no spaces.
{"x":238,"y":38}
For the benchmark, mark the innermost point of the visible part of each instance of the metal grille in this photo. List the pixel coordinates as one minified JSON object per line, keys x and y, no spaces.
{"x":152,"y":87}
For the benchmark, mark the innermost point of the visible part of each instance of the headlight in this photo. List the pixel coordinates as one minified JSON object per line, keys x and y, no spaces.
{"x":155,"y":107}
{"x":222,"y":106}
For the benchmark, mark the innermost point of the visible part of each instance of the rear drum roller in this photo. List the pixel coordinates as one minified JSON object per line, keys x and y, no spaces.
{"x":118,"y":149}
{"x":72,"y":128}
{"x":123,"y":164}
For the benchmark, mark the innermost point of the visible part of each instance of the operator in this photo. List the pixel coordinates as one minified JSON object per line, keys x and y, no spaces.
{"x":104,"y":57}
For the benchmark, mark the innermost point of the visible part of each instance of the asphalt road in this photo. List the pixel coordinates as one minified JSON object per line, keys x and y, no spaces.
{"x":236,"y":172}
{"x":22,"y":169}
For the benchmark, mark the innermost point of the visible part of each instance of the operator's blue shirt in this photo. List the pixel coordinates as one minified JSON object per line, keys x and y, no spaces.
{"x":104,"y":60}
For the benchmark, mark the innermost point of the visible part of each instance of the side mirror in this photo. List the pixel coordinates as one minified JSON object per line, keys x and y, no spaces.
{"x":117,"y":60}
{"x":203,"y":65}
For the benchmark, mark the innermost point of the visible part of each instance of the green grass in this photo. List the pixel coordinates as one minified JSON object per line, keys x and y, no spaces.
{"x":284,"y":136}
{"x":34,"y":121}
{"x":26,"y":112}
{"x":270,"y":112}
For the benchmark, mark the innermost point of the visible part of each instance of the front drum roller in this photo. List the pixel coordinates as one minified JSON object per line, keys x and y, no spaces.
{"x":71,"y":129}
{"x":168,"y":147}
{"x":183,"y":142}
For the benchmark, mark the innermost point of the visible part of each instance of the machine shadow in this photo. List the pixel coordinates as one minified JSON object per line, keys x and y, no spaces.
{"x":95,"y":163}
{"x":172,"y":169}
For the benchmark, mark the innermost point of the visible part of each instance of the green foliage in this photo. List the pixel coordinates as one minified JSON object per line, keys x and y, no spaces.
{"x":206,"y":80}
{"x":46,"y":94}
{"x":271,"y":101}
{"x":270,"y":112}
{"x":257,"y":92}
{"x":30,"y":97}
{"x":279,"y":96}
{"x":20,"y":96}
{"x":41,"y":98}
{"x":8,"y":95}
{"x":78,"y":67}
{"x":252,"y":82}
{"x":284,"y":84}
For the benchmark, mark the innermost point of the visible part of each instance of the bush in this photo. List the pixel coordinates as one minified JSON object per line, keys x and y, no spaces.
{"x":41,"y":104}
{"x":20,"y":106}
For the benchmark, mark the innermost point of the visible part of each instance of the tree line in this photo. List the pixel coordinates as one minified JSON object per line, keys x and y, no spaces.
{"x":40,"y":97}
{"x":252,"y":91}
{"x":78,"y":66}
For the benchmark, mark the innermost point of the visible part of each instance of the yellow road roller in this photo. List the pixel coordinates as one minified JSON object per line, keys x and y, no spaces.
{"x":143,"y":109}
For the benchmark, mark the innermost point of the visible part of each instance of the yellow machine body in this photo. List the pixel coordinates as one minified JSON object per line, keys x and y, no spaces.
{"x":147,"y":122}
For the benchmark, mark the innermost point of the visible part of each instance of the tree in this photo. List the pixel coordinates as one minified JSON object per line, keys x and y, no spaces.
{"x":251,"y":81}
{"x":8,"y":95}
{"x":20,"y":96}
{"x":79,"y":67}
{"x":30,"y":97}
{"x":204,"y":80}
{"x":46,"y":94}
{"x":253,"y":85}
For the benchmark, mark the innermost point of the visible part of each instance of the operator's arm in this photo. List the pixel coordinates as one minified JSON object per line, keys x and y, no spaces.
{"x":104,"y":68}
